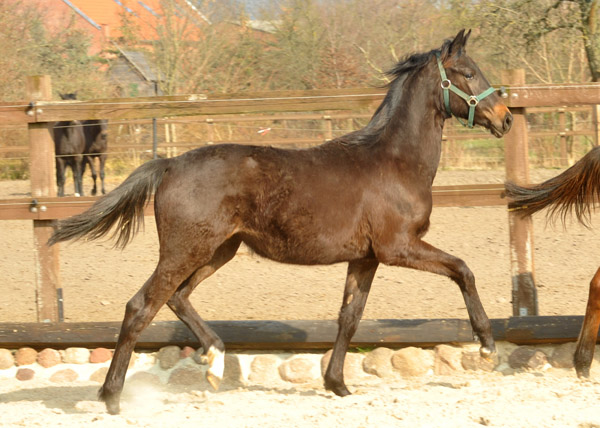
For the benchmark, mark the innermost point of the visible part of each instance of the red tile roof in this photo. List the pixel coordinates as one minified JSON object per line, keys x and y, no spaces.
{"x":103,"y":19}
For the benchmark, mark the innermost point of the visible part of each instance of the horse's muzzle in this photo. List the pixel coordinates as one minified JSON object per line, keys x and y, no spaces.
{"x":501,"y":120}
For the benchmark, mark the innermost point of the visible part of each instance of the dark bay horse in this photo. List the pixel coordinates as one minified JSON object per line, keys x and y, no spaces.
{"x":96,"y":145}
{"x":69,"y":145}
{"x":364,"y":198}
{"x":575,"y":190}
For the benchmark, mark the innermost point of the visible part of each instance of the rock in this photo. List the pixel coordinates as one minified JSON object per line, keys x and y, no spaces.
{"x":76,"y":356}
{"x":474,"y":361}
{"x":168,"y":357}
{"x":379,"y":362}
{"x":62,"y":376}
{"x":412,"y":361}
{"x":562,"y":356}
{"x":297,"y":370}
{"x":263,"y":370}
{"x":25,"y":374}
{"x":99,"y":375}
{"x":232,"y":376}
{"x":448,"y":360}
{"x":525,"y":357}
{"x":144,"y":378}
{"x":353,"y":365}
{"x":100,"y":355}
{"x":49,"y":358}
{"x":189,"y":376}
{"x":6,"y":359}
{"x":187,"y":352}
{"x":25,"y":356}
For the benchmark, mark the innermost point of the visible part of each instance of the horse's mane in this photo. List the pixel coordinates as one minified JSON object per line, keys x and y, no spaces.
{"x":409,"y":65}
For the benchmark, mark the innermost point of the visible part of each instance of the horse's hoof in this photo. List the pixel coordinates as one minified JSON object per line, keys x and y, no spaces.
{"x":338,"y":389}
{"x":487,"y":353}
{"x":582,"y":372}
{"x":111,"y":402}
{"x":77,"y":195}
{"x":216,"y":363}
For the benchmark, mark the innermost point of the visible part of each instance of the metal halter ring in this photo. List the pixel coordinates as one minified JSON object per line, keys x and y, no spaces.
{"x":448,"y":82}
{"x":473,"y":100}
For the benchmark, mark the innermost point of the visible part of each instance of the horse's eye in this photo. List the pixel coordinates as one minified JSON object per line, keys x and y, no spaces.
{"x":469,"y":76}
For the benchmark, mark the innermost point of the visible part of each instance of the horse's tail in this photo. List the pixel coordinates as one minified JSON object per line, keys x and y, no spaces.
{"x":576,"y":189}
{"x":124,"y":206}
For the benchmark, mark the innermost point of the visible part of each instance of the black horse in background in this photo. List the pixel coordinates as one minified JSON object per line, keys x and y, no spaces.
{"x":77,"y":143}
{"x":364,"y":198}
{"x":96,"y":144}
{"x":69,"y":146}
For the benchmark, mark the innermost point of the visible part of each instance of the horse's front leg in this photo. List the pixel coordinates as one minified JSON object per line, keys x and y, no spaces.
{"x":60,"y":175}
{"x":584,"y":352}
{"x":358,"y":283}
{"x":77,"y":175}
{"x":419,"y":255}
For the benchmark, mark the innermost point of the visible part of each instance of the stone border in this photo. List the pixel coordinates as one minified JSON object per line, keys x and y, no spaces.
{"x":186,"y":367}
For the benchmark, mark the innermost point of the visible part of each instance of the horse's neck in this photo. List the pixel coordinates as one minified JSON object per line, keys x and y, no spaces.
{"x":414,"y":132}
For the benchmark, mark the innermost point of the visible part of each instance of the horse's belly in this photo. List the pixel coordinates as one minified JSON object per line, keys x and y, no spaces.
{"x":307,"y":251}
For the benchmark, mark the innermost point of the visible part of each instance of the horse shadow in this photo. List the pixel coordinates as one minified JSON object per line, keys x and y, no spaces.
{"x":61,"y":397}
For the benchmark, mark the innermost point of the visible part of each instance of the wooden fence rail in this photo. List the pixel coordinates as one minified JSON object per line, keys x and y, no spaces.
{"x":43,"y":208}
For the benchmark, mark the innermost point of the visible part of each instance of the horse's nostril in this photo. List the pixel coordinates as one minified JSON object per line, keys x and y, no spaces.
{"x":508,"y":119}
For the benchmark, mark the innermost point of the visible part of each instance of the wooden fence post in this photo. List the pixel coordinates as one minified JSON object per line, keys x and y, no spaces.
{"x":41,"y":170}
{"x":524,"y":292}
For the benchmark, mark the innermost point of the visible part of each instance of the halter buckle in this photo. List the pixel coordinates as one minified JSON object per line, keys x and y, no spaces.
{"x":473,"y":100}
{"x":446,"y":84}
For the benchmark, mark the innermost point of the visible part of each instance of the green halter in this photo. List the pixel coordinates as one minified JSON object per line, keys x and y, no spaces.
{"x":472,"y":100}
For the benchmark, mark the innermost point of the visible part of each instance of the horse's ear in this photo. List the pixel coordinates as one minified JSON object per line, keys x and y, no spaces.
{"x":457,"y":46}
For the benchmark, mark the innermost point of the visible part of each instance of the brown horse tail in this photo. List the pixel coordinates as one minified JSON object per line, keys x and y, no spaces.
{"x":124,"y":207}
{"x":576,"y":189}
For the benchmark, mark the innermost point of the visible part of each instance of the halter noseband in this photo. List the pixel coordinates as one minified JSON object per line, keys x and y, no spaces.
{"x":472,"y":100}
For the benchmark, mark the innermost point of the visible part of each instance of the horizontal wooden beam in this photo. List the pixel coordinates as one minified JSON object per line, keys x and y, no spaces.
{"x":295,"y":334}
{"x":265,"y":102}
{"x":57,"y":208}
{"x":553,"y":95}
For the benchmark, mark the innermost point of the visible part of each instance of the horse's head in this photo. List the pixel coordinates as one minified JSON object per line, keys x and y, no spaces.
{"x":465,"y":91}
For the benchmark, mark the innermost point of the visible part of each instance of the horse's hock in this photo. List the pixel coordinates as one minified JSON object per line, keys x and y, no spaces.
{"x":186,"y":368}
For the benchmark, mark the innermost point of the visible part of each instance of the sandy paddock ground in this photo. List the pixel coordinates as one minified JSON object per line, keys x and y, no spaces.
{"x":97,"y":282}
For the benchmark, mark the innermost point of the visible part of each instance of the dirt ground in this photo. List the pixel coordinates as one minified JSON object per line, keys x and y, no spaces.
{"x":551,"y":399}
{"x":98,"y":280}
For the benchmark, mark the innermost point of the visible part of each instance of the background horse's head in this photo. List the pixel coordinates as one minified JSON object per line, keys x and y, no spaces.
{"x":463,"y":74}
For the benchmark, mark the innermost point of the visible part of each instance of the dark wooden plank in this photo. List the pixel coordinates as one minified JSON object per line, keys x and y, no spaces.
{"x":300,"y":334}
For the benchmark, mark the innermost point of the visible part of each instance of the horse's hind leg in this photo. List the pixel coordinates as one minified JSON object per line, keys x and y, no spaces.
{"x":180,"y":304}
{"x":358,"y":283}
{"x":90,"y":160}
{"x":584,"y":352}
{"x":422,"y":256}
{"x":140,"y":311}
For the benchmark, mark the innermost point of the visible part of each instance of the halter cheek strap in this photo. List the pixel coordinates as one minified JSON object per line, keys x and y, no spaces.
{"x":472,"y":100}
